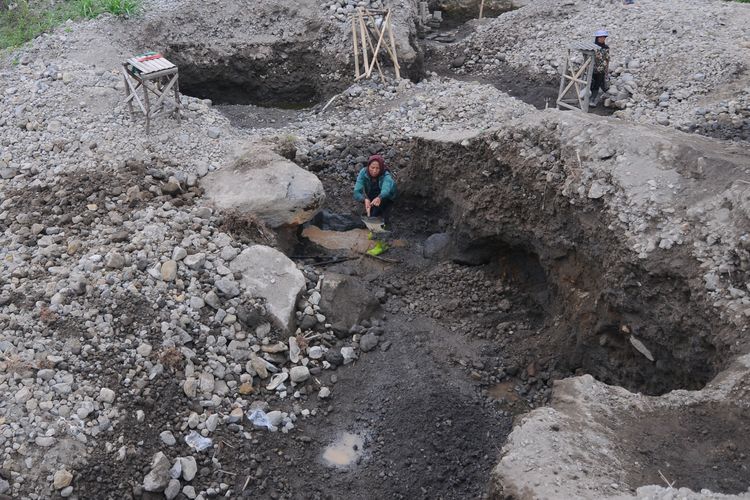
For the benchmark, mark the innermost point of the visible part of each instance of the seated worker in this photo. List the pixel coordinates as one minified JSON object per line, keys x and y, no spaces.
{"x":377,"y":189}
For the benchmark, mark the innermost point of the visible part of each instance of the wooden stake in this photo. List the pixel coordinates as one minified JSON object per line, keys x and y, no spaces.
{"x":481,"y":9}
{"x":356,"y":49}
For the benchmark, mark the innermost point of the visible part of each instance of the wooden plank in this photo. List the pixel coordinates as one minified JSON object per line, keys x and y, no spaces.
{"x":589,"y":75}
{"x":565,"y":105}
{"x":158,"y":74}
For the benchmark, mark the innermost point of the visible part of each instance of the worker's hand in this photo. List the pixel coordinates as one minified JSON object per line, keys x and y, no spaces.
{"x":376,"y":202}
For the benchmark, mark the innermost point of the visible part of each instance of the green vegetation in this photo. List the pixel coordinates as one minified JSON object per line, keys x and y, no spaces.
{"x":23,"y":20}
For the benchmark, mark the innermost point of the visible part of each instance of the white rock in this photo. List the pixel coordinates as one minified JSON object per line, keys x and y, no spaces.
{"x":189,"y":468}
{"x":299,"y":374}
{"x":272,"y":276}
{"x":267,"y":186}
{"x":106,"y":395}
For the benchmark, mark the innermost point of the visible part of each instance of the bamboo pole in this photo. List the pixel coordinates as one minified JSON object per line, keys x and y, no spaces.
{"x":374,"y":54}
{"x":394,"y":55}
{"x":481,"y":9}
{"x":364,"y":43}
{"x":356,"y":49}
{"x":391,"y":48}
{"x":376,"y":50}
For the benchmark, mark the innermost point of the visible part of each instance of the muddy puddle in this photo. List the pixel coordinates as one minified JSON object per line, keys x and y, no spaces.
{"x":345,"y":451}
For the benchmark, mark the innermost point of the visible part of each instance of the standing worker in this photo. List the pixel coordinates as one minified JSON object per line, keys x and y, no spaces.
{"x":376,"y":187}
{"x":600,"y":80}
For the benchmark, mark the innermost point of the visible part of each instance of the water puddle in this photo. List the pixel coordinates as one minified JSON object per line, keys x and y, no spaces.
{"x":345,"y":451}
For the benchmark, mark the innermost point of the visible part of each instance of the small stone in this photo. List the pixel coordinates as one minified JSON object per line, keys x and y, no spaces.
{"x":44,"y":441}
{"x":62,"y":479}
{"x":212,"y":300}
{"x":195,"y":261}
{"x":189,"y":468}
{"x":189,"y":492}
{"x":246,"y":388}
{"x":66,"y":492}
{"x":324,"y":392}
{"x":214,"y":132}
{"x":299,"y":374}
{"x":169,"y":271}
{"x":171,"y":187}
{"x":274,"y":417}
{"x":228,"y":287}
{"x":106,"y":395}
{"x":172,"y":489}
{"x":236,"y":415}
{"x":190,"y":387}
{"x":23,"y":395}
{"x":144,"y":350}
{"x":348,"y":354}
{"x":158,"y":478}
{"x":168,"y":438}
{"x":368,"y":342}
{"x":179,"y":253}
{"x":114,"y":261}
{"x":334,"y":357}
{"x":212,"y":422}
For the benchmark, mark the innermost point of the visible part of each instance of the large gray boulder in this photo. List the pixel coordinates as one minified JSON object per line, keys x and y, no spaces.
{"x":271,"y":275}
{"x":267,"y":186}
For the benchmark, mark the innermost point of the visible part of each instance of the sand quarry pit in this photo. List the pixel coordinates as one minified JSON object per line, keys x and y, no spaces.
{"x":562,"y":312}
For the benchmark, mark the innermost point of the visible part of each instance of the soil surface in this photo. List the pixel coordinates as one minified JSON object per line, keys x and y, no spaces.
{"x":701,"y":446}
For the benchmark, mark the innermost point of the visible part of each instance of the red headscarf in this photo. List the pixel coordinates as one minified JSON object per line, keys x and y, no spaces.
{"x":381,"y":162}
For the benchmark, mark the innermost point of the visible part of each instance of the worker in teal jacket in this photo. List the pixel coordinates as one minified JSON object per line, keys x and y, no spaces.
{"x":376,"y":187}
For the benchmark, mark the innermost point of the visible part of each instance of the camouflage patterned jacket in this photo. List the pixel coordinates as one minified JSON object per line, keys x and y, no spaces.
{"x":601,"y":60}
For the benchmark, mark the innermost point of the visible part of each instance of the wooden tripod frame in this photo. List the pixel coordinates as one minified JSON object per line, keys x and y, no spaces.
{"x":368,"y":40}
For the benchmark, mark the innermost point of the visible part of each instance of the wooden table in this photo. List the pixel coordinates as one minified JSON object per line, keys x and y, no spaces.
{"x":157,"y":76}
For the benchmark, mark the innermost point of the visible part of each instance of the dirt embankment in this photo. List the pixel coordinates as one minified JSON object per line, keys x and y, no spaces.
{"x":286,"y":55}
{"x":504,"y":201}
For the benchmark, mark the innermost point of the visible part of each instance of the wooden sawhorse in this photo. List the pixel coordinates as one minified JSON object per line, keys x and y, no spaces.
{"x":157,"y":76}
